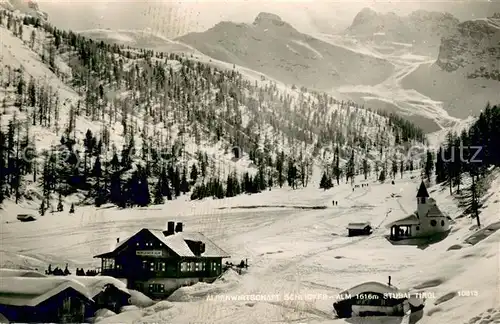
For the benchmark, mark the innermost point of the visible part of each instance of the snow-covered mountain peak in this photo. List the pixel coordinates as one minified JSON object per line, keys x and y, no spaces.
{"x":365,"y":15}
{"x":268,"y":20}
{"x":265,"y":17}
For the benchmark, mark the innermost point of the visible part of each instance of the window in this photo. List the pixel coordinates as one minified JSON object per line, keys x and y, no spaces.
{"x":157,"y":266}
{"x":144,"y":264}
{"x":108,"y":264}
{"x":433,"y":222}
{"x":183,"y":266}
{"x":192,"y":266}
{"x":156,"y":288}
{"x":442,"y":223}
{"x":67,"y":305}
{"x":214,"y":266}
{"x":203,"y":266}
{"x":198,"y":266}
{"x":418,"y":228}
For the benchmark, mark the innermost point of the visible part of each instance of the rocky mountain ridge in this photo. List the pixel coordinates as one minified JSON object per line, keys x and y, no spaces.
{"x":423,"y":29}
{"x":474,"y":47}
{"x":29,"y":7}
{"x":272,"y":46}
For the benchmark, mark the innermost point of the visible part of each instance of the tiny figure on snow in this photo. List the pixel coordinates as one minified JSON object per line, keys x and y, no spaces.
{"x":49,"y":270}
{"x":60,"y":207}
{"x":42,"y":209}
{"x":72,"y":209}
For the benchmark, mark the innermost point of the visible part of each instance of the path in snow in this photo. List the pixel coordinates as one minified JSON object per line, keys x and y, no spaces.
{"x":288,"y":271}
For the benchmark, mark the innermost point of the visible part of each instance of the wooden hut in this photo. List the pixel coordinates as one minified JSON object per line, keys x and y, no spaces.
{"x":359,"y":229}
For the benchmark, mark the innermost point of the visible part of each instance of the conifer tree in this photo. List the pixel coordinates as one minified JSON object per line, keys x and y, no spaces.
{"x":429,"y":165}
{"x":158,"y":195}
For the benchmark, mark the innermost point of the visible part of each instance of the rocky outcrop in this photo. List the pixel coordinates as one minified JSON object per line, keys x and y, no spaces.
{"x":422,"y":29}
{"x":474,"y":47}
{"x":29,"y":7}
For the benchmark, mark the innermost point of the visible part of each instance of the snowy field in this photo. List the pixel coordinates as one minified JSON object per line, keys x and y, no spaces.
{"x":290,"y":251}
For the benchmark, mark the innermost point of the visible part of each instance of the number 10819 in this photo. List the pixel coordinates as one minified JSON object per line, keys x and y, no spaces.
{"x":468,"y":293}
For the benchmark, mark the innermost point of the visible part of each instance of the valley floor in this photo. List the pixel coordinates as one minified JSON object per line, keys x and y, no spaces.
{"x":290,"y":251}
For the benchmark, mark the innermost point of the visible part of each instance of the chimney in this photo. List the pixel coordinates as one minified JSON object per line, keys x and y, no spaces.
{"x":170,"y":229}
{"x":178,"y":227}
{"x":389,"y":283}
{"x":117,"y":240}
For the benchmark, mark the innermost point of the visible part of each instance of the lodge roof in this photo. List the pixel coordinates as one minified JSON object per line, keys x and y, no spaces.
{"x":22,"y":291}
{"x":422,"y":191}
{"x":177,"y":243}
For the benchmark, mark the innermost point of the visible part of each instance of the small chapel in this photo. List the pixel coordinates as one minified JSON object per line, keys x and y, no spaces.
{"x":426,"y":221}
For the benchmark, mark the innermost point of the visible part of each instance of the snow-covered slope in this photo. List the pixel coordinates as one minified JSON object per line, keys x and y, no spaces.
{"x":299,"y":259}
{"x":247,"y":110}
{"x":138,"y":39}
{"x":466,"y":73}
{"x":452,"y":80}
{"x":275,"y":48}
{"x":390,"y":95}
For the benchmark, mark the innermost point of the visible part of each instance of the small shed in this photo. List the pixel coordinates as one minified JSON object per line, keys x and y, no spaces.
{"x":358,"y":229}
{"x":26,"y":218}
{"x":44,"y":300}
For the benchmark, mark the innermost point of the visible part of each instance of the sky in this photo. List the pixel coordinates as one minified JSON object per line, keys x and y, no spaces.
{"x":174,"y":18}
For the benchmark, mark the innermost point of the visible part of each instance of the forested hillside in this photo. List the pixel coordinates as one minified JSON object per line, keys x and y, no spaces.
{"x":465,"y":159}
{"x":110,"y":124}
